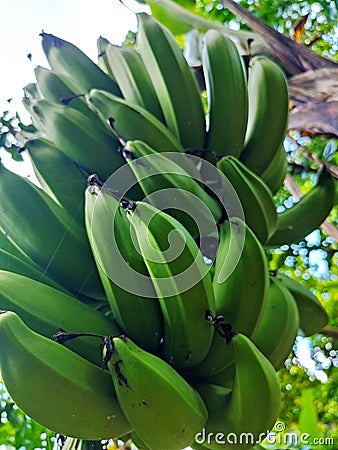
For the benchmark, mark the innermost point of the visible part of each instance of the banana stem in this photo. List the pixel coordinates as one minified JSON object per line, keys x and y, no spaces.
{"x":225,"y":330}
{"x":63,"y":336}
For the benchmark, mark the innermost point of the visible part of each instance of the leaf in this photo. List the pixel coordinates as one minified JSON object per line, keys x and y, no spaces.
{"x":180,"y":20}
{"x":299,"y":28}
{"x":308,"y":418}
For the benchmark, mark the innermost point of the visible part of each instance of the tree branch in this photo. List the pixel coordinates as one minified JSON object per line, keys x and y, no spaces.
{"x":330,"y":331}
{"x":294,"y":57}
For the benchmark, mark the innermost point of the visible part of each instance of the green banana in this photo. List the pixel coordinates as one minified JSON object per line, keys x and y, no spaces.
{"x":174,"y":83}
{"x":32,"y":91}
{"x":46,"y":310}
{"x":274,"y":175}
{"x":55,"y":90}
{"x":164,"y":410}
{"x":255,"y":388}
{"x":7,"y":245}
{"x":122,"y":270}
{"x":102,"y":45}
{"x":256,"y":198}
{"x":29,"y":103}
{"x":137,"y":441}
{"x":133,"y":79}
{"x":212,"y":394}
{"x":171,"y":181}
{"x":130,"y":121}
{"x":14,"y":260}
{"x":268,"y":113}
{"x":224,"y":378}
{"x":218,"y":359}
{"x":91,"y":147}
{"x":25,"y":267}
{"x":56,"y":387}
{"x":59,"y":176}
{"x":312,"y":315}
{"x":309,"y":213}
{"x":181,"y":280}
{"x":240,"y":291}
{"x":42,"y":231}
{"x":277,"y":330}
{"x":75,"y":68}
{"x":227,"y":93}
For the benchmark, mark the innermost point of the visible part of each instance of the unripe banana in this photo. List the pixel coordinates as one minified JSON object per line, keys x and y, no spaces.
{"x":218,"y":359}
{"x":164,"y":410}
{"x":47,"y":310}
{"x":224,"y":378}
{"x":75,"y":68}
{"x":277,"y":330}
{"x":312,"y":315}
{"x":37,"y":123}
{"x":212,"y":394}
{"x":122,"y":270}
{"x":227,"y":93}
{"x":240,"y":297}
{"x":268,"y":113}
{"x":251,"y":409}
{"x":89,"y":144}
{"x":102,"y":44}
{"x":181,"y":280}
{"x":14,"y":260}
{"x":32,"y":92}
{"x":59,"y":176}
{"x":137,"y":441}
{"x":256,"y":198}
{"x":274,"y":175}
{"x":55,"y":90}
{"x":309,"y":213}
{"x":131,"y":121}
{"x":173,"y":81}
{"x":56,"y":387}
{"x":133,"y":79}
{"x":22,"y":266}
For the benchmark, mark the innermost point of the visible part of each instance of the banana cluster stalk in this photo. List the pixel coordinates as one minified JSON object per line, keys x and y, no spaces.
{"x":134,"y":279}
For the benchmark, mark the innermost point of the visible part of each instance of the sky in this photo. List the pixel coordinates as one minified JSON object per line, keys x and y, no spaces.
{"x":78,"y":21}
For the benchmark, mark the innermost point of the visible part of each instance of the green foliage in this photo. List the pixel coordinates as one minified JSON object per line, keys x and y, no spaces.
{"x":8,"y":127}
{"x":294,"y":381}
{"x":319,"y":33}
{"x":17,"y":431}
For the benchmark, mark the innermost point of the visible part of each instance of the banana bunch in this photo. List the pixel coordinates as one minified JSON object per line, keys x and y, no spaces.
{"x":134,"y":278}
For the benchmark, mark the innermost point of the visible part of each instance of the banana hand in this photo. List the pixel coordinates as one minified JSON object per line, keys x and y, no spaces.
{"x":227,"y":93}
